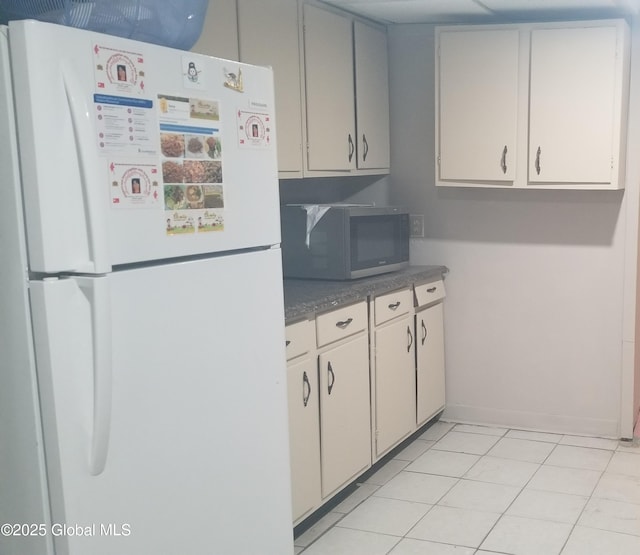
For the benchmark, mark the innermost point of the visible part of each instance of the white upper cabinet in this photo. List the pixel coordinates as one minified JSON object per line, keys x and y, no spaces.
{"x":372,"y":96}
{"x":219,"y":36}
{"x":269,"y":35}
{"x":331,"y":123}
{"x":478,"y":92}
{"x":329,"y":67}
{"x":346,"y":75}
{"x":539,"y":105}
{"x":573,"y":100}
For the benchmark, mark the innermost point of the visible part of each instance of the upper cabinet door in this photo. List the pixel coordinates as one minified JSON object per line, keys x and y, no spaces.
{"x":572,"y":102}
{"x":557,"y":91}
{"x":219,"y":35}
{"x":478,"y":103}
{"x":277,"y":19}
{"x":329,"y":90}
{"x":372,"y":96}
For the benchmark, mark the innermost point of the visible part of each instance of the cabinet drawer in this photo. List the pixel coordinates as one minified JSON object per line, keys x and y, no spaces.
{"x":300,"y":338}
{"x":392,"y":305}
{"x":340,"y":323}
{"x":427,"y":293}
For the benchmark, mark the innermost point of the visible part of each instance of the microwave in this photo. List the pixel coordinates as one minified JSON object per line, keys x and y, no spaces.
{"x":343,"y":241}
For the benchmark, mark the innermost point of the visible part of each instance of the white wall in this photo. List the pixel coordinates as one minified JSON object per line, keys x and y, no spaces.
{"x":539,"y":280}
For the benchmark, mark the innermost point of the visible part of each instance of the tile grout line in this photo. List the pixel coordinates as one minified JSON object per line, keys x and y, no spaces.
{"x":503,"y":513}
{"x":369,"y":496}
{"x":458,"y":479}
{"x":573,"y":527}
{"x":522,"y":488}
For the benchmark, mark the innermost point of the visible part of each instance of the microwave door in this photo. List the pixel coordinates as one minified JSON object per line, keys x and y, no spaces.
{"x":379,"y":243}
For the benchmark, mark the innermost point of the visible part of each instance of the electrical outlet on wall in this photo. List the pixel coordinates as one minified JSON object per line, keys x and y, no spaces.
{"x":416,"y":224}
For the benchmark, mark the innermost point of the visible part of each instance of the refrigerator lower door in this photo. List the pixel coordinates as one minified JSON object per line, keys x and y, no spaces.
{"x":164,"y":408}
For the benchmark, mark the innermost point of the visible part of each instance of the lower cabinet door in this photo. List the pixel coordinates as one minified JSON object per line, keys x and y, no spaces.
{"x":345,"y":412}
{"x":430,"y":362}
{"x":304,"y":434}
{"x":395,"y":384}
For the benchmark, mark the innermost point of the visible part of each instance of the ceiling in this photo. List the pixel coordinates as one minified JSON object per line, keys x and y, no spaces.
{"x":471,"y":11}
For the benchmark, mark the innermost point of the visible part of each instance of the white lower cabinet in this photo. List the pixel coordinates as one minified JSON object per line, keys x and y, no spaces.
{"x":304,"y":418}
{"x":343,"y":366}
{"x":393,"y":400}
{"x":344,"y":413}
{"x":304,"y":436}
{"x":361,"y":379}
{"x":429,"y":332}
{"x":329,"y":406}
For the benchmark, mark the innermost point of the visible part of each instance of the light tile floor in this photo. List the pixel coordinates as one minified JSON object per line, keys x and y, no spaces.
{"x":465,"y":490}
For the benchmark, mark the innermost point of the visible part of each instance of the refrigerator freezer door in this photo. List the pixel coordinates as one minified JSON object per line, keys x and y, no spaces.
{"x":193,"y":392}
{"x":133,"y":152}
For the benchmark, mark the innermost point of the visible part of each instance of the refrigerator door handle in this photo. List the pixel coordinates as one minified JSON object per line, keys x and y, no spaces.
{"x":98,"y":293}
{"x":89,"y":165}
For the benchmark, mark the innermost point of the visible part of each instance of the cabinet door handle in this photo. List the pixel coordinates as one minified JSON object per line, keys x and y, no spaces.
{"x":352,"y":147}
{"x":344,"y":323}
{"x":410,"y":339}
{"x":503,"y":160}
{"x":538,"y":152}
{"x":431,"y":290}
{"x":332,"y":378}
{"x":394,"y":306}
{"x":424,"y":331}
{"x":287,"y":343}
{"x":366,"y":147}
{"x":306,"y":385}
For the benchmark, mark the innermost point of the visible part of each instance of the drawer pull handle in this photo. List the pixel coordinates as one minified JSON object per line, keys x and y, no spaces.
{"x":344,"y":323}
{"x":305,"y":385}
{"x":410,"y":338}
{"x":431,"y":290}
{"x":394,"y":306}
{"x":424,"y":331}
{"x":332,"y":378}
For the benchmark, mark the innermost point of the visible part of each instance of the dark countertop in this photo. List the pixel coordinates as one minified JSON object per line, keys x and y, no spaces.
{"x":304,"y":298}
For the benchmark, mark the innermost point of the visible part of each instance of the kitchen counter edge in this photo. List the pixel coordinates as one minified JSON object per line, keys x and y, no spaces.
{"x":305,"y":298}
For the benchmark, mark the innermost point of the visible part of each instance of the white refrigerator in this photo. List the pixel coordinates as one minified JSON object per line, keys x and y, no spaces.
{"x":142,"y":370}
